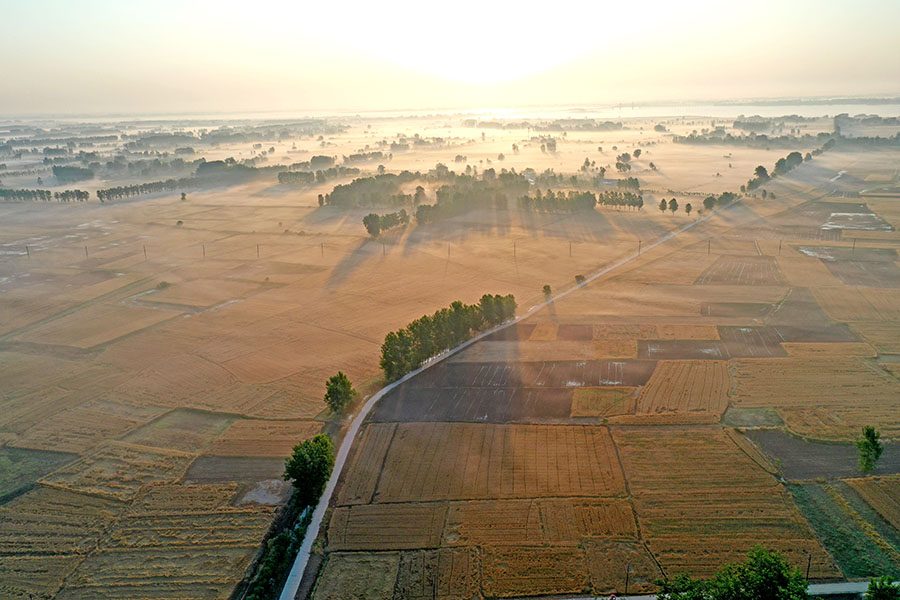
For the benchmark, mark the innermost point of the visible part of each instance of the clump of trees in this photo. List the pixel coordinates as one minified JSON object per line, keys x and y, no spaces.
{"x":869,"y":447}
{"x":309,"y":467}
{"x":551,"y":201}
{"x":375,"y":224}
{"x":788,"y":163}
{"x":408,"y":348}
{"x":364,"y":157}
{"x":319,"y":176}
{"x":710,"y":202}
{"x":339,"y":393}
{"x":377,"y":190}
{"x":764,"y":575}
{"x":68,"y":174}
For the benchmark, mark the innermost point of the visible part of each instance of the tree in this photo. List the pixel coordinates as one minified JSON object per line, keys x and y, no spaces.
{"x":547,"y":291}
{"x":339,"y":392}
{"x":761,"y":173}
{"x":688,"y":208}
{"x":372,"y":223}
{"x":309,"y":467}
{"x":869,"y":447}
{"x":183,"y":196}
{"x":883,"y":588}
{"x":663,"y":207}
{"x":763,"y":576}
{"x":321,"y":200}
{"x":637,"y":153}
{"x":419,"y":197}
{"x":709,"y":202}
{"x":673,"y":205}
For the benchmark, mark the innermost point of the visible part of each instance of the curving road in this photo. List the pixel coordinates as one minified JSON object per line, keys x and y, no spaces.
{"x":293,"y":581}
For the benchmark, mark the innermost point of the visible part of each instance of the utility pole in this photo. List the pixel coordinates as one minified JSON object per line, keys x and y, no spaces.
{"x":323,"y":249}
{"x":779,"y":247}
{"x":27,"y":251}
{"x":708,"y":246}
{"x":85,"y":252}
{"x":639,"y":247}
{"x":204,"y":249}
{"x":145,"y":252}
{"x":808,"y":565}
{"x":570,"y":249}
{"x":257,"y":251}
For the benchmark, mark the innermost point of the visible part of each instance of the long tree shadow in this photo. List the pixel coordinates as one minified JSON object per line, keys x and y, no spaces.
{"x":365,"y":249}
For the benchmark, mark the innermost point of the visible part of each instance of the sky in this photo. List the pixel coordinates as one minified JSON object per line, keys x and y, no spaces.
{"x":94,"y":57}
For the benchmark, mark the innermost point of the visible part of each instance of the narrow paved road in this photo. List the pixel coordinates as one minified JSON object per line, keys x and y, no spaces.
{"x":293,"y":581}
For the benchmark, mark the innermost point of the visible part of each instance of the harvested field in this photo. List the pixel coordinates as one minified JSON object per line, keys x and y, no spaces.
{"x":558,"y":374}
{"x":118,"y":470}
{"x":884,"y":336}
{"x":616,"y":331}
{"x":444,"y":573}
{"x":358,"y":575}
{"x":180,"y":498}
{"x":200,"y":292}
{"x":544,"y":332}
{"x":574,"y":333}
{"x":852,"y":396}
{"x":95,"y":325}
{"x":82,"y":427}
{"x":181,"y":429}
{"x":533,"y":571}
{"x":223,"y":469}
{"x":882,"y":494}
{"x":485,"y":351}
{"x":863,"y":267}
{"x":811,"y":350}
{"x":605,"y":348}
{"x":886,"y":302}
{"x":751,"y":417}
{"x":250,"y":437}
{"x":846,"y":304}
{"x":358,"y":485}
{"x":483,"y":405}
{"x":726,"y":500}
{"x":52,"y":521}
{"x":206,"y":572}
{"x":742,"y":270}
{"x":736,"y":310}
{"x":686,"y":332}
{"x":179,"y":381}
{"x":736,"y":342}
{"x":686,"y":387}
{"x":607,"y":562}
{"x":514,"y":333}
{"x":387,"y":526}
{"x":805,"y":460}
{"x":21,"y":468}
{"x":440,"y":461}
{"x":22,"y":577}
{"x":603,"y":402}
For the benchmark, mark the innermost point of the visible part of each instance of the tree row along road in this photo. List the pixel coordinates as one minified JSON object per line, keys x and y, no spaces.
{"x":292,"y":585}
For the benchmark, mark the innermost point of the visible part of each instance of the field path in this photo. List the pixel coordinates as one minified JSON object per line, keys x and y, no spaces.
{"x":292,"y":585}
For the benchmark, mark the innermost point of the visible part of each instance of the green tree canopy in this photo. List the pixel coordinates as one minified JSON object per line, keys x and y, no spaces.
{"x":339,"y":392}
{"x":309,"y":467}
{"x":763,"y":576}
{"x":869,"y":447}
{"x":883,"y":588}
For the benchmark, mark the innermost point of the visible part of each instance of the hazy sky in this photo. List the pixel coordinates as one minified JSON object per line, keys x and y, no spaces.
{"x":158,"y":56}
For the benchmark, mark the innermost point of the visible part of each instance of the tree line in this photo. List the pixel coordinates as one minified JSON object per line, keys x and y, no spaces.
{"x":138,"y":189}
{"x":9,"y":195}
{"x":319,"y":176}
{"x":375,"y":224}
{"x":408,"y":348}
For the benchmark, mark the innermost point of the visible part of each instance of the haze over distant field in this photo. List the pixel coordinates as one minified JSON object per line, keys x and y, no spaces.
{"x":166,"y":56}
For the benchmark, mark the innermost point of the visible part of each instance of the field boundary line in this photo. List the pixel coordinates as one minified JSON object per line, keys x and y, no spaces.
{"x":292,"y":583}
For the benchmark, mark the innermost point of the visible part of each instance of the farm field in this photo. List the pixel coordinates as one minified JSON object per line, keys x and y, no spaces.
{"x":159,"y":364}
